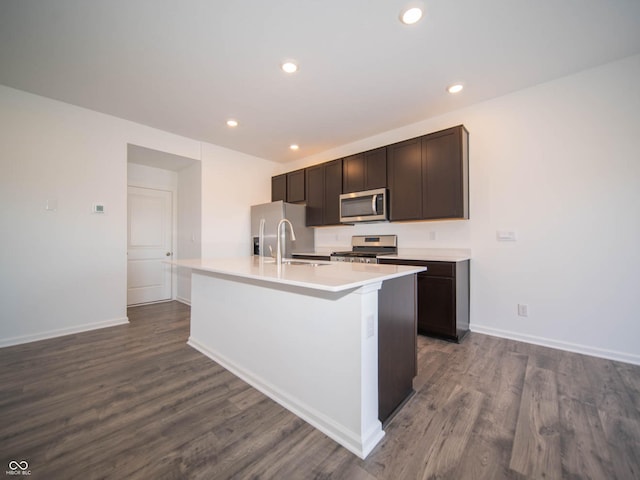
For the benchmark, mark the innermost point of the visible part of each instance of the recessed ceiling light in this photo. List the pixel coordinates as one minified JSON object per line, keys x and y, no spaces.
{"x":455,"y":88}
{"x":294,"y":147}
{"x":232,"y":123}
{"x":289,"y":67}
{"x":411,"y":15}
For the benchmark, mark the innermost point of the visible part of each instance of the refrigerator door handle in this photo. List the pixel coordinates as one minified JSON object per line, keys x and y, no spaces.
{"x":261,"y":237}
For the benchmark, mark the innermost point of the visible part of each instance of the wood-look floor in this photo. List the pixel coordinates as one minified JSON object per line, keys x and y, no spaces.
{"x":136,"y":402}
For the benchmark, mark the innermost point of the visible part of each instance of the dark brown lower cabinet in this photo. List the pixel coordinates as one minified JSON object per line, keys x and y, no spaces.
{"x":397,"y":360}
{"x":443,"y":298}
{"x":320,"y":258}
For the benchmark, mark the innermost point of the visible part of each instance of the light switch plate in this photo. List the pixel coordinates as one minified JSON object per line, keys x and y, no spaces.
{"x":51,"y":205}
{"x":506,"y":236}
{"x":98,"y":208}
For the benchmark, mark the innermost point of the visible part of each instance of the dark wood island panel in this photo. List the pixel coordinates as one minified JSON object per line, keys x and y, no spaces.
{"x":396,"y":345}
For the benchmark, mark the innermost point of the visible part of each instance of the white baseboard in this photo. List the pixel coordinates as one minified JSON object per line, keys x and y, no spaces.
{"x":330,"y":428}
{"x":7,"y":342}
{"x":560,"y":345}
{"x":186,"y":301}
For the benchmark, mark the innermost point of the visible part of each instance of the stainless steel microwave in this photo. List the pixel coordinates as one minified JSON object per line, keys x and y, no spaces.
{"x":368,"y":206}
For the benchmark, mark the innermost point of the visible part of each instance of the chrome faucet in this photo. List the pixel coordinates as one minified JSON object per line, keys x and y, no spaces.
{"x":279,"y":240}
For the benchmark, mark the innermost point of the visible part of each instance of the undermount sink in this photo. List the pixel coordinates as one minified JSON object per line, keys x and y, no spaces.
{"x":309,"y":264}
{"x":295,"y":262}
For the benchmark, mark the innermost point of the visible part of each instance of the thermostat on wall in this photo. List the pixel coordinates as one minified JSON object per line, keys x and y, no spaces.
{"x":98,"y":208}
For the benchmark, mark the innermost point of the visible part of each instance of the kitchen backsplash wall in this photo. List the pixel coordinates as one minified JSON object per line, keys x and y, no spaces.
{"x":441,"y":234}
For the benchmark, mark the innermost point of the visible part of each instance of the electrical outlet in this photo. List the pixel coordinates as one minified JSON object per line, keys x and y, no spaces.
{"x":370,"y":326}
{"x":523,"y":310}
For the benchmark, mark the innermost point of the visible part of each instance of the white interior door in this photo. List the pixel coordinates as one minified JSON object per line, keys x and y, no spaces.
{"x":149,"y":235}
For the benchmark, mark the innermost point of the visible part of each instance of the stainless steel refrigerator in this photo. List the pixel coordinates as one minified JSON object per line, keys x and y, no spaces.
{"x":269,"y":215}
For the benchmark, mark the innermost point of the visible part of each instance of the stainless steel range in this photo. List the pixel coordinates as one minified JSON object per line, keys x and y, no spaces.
{"x":366,"y":249}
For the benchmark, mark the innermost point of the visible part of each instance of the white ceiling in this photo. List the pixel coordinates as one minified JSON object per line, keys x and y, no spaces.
{"x":186,"y":66}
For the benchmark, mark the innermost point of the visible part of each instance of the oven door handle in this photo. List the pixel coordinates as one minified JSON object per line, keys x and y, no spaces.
{"x":374,"y":208}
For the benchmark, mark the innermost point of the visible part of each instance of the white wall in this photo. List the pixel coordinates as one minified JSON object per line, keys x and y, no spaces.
{"x":65,"y":271}
{"x":189,"y":224}
{"x":559,"y":164}
{"x":231,"y":183}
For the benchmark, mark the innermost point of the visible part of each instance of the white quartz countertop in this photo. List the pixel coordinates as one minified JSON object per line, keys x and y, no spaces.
{"x":326,"y":276}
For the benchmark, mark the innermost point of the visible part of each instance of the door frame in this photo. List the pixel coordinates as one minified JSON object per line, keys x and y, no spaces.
{"x":174,"y":226}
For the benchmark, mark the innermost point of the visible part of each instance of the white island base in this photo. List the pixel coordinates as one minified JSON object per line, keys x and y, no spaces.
{"x":320,"y":364}
{"x":305,"y":336}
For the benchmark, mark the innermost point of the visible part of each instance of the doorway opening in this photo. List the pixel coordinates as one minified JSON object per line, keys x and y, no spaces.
{"x":163,"y":223}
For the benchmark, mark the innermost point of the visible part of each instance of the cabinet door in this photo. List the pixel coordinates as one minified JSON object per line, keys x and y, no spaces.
{"x":353,"y":174}
{"x":279,"y":188}
{"x":436,"y":305}
{"x":332,"y":191}
{"x":296,"y":187}
{"x":365,"y":171}
{"x":375,"y":169}
{"x":442,"y":178}
{"x":404,"y":168}
{"x":315,"y":194}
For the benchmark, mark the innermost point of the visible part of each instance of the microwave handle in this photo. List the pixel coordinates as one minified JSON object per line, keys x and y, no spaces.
{"x":374,"y":207}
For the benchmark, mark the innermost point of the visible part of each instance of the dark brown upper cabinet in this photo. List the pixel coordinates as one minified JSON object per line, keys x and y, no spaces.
{"x":296,"y":186}
{"x":404,"y":170}
{"x":445,"y":176}
{"x":289,"y":187}
{"x":324,"y":186}
{"x":332,"y":191}
{"x":429,"y":176}
{"x":279,"y":188}
{"x":315,"y":195}
{"x":365,"y":171}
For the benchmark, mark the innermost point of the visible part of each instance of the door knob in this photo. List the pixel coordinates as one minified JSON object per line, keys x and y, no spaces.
{"x":168,"y":254}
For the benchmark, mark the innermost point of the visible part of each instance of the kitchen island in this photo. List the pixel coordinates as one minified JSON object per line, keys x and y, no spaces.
{"x":306,"y":334}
